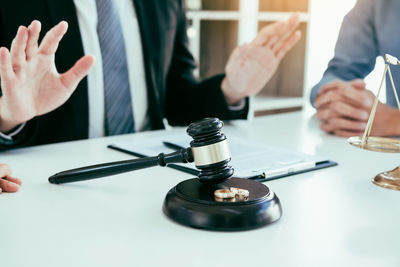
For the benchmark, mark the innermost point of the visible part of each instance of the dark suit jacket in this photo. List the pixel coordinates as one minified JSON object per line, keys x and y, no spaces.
{"x":172,"y":90}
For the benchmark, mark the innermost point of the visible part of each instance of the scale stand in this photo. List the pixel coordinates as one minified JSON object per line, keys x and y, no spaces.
{"x":388,"y":179}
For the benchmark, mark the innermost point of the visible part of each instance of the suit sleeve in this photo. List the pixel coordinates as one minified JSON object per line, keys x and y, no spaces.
{"x":356,"y":48}
{"x":187,"y":99}
{"x":24,"y":137}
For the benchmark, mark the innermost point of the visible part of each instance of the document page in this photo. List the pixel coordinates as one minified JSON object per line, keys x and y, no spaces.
{"x":248,"y":158}
{"x":251,"y":158}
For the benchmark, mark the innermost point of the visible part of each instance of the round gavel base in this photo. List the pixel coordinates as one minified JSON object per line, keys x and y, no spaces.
{"x":192,"y":203}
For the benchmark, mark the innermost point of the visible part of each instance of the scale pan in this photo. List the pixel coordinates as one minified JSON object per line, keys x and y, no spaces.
{"x":379,"y":144}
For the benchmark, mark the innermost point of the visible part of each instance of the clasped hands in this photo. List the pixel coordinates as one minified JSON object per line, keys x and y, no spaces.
{"x":344,"y":107}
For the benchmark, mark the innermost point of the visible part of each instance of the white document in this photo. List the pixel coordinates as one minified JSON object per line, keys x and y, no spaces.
{"x":249,"y":159}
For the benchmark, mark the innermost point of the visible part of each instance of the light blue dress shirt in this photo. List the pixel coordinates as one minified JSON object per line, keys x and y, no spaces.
{"x":369,"y":30}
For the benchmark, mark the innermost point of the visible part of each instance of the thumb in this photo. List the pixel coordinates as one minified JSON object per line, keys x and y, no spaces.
{"x":74,"y":75}
{"x":358,"y":84}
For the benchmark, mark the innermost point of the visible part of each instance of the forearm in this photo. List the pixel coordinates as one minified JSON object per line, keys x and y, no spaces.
{"x":231,"y":99}
{"x":7,"y":125}
{"x":188,"y":99}
{"x":7,"y":122}
{"x":21,"y":136}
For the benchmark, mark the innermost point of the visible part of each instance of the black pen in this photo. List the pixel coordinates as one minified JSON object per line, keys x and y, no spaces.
{"x":172,"y":145}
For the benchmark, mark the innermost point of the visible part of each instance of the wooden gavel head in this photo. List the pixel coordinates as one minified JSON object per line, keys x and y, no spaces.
{"x":210,"y":150}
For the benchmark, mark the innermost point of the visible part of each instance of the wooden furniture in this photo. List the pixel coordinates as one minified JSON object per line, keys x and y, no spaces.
{"x":218,"y":26}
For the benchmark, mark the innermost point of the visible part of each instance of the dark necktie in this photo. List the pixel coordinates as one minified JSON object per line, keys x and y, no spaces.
{"x":117,"y":95}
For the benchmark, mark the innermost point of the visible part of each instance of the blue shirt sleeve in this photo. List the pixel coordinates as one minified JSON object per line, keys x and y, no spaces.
{"x":356,"y":48}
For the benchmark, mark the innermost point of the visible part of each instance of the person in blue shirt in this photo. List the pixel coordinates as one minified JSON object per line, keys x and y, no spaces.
{"x":8,"y":183}
{"x":343,"y":103}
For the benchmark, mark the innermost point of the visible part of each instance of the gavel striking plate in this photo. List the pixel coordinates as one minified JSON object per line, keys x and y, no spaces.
{"x":194,"y":202}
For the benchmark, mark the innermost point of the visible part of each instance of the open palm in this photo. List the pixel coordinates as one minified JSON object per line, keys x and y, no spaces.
{"x":251,"y":66}
{"x":30,"y":83}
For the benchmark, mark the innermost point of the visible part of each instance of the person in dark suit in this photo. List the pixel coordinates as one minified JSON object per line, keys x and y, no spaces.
{"x":8,"y":183}
{"x":143,"y":75}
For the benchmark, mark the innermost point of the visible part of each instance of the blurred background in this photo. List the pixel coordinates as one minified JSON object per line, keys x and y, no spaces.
{"x":216,"y":27}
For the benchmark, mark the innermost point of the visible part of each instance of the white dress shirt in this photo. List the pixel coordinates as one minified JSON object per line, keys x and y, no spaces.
{"x":87,"y":18}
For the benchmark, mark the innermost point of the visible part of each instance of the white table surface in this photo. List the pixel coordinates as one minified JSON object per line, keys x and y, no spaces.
{"x":331,"y":217}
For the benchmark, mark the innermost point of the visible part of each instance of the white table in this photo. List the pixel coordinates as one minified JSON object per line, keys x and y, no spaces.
{"x":331,"y":217}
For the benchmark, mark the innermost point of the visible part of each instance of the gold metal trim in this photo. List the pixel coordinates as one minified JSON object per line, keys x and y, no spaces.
{"x":379,"y":144}
{"x":210,"y":154}
{"x":389,"y":179}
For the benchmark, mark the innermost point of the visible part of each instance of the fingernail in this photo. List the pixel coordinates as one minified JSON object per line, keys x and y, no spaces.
{"x":63,"y":22}
{"x":20,"y":30}
{"x":36,"y":21}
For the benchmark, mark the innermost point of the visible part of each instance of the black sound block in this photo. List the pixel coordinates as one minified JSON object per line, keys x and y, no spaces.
{"x":192,"y":203}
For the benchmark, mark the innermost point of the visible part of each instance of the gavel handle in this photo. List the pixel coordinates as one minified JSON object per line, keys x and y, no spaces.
{"x":106,"y":169}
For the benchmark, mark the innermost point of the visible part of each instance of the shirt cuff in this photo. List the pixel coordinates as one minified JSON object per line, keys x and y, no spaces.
{"x":238,"y":106}
{"x":9,"y":136}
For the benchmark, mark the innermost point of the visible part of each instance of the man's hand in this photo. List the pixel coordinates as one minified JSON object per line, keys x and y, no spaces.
{"x":30,"y":83}
{"x":344,"y":108}
{"x":251,"y":66}
{"x":7,"y":183}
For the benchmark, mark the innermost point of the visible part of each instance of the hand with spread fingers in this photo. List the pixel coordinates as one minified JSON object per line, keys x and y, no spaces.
{"x":344,"y":107}
{"x":7,"y":183}
{"x":251,"y":66}
{"x":30,"y":83}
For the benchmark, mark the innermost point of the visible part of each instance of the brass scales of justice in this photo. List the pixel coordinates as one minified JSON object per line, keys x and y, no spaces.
{"x":388,"y":179}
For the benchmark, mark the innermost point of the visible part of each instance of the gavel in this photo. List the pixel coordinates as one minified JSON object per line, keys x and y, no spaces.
{"x":194,"y":202}
{"x":208,"y":150}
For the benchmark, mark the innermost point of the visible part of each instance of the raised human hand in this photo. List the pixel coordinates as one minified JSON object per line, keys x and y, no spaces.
{"x":30,"y":83}
{"x":251,"y":66}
